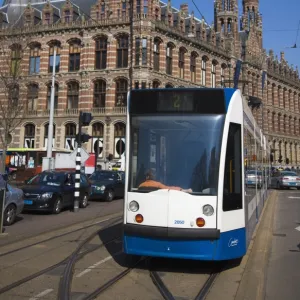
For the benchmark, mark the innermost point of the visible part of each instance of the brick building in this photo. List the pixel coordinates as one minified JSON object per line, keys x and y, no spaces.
{"x":99,"y":55}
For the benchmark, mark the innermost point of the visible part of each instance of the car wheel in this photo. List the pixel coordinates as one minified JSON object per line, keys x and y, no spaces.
{"x":110,"y":195}
{"x":278,"y":186}
{"x":57,"y":206}
{"x":84,"y":201}
{"x":10,"y":214}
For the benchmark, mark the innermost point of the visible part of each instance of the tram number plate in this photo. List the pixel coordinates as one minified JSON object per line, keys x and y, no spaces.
{"x":179,"y":222}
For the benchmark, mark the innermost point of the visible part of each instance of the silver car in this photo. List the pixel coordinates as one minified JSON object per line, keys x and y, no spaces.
{"x":254,"y":178}
{"x":285,"y":179}
{"x":13,"y":206}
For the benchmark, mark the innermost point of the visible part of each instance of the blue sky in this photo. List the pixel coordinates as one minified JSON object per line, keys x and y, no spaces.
{"x":280,"y":23}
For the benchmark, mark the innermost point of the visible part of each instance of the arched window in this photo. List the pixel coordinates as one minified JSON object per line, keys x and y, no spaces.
{"x":156,"y":55}
{"x":101,"y":53}
{"x":74,"y":55}
{"x":99,"y":93}
{"x":193,"y":66}
{"x":121,"y":92}
{"x":32,"y":97}
{"x":29,"y":136}
{"x":155,"y":84}
{"x":119,"y":133}
{"x":122,"y":52}
{"x":46,"y":131}
{"x":213,"y":74}
{"x":97,"y":139}
{"x":203,"y":71}
{"x":181,"y":64}
{"x":16,"y":56}
{"x":55,"y":96}
{"x":169,"y":85}
{"x":54,"y":46}
{"x":73,"y":95}
{"x":13,"y":94}
{"x":34,"y":59}
{"x":223,"y":70}
{"x":70,"y":136}
{"x":169,"y":59}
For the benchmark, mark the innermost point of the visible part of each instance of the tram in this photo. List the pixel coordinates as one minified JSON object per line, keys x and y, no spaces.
{"x":188,"y":154}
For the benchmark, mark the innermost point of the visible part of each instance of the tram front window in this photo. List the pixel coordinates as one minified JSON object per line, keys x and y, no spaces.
{"x":181,"y":151}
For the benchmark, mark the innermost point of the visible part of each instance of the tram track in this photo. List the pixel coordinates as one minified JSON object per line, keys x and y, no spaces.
{"x":78,"y":254}
{"x":56,"y":237}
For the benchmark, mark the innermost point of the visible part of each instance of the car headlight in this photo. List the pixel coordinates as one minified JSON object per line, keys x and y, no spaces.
{"x":134,"y":206}
{"x":99,"y":188}
{"x":46,"y":196}
{"x":208,"y":210}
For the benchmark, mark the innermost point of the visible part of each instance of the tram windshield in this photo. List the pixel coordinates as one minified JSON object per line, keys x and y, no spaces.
{"x":179,"y":150}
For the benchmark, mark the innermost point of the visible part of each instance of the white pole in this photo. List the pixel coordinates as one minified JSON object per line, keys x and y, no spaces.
{"x":50,"y":128}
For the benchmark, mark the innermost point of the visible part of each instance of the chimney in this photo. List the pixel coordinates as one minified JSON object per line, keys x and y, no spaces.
{"x":185,"y":8}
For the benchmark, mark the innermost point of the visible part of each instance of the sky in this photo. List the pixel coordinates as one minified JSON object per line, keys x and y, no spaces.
{"x":281,"y":19}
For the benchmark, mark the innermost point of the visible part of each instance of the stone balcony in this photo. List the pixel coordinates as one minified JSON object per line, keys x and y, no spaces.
{"x":74,"y":112}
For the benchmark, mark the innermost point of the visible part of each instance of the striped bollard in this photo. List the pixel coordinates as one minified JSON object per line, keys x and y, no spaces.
{"x":77,"y":180}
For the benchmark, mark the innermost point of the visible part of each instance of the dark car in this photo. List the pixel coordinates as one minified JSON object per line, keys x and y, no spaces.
{"x":107,"y":184}
{"x":53,"y":190}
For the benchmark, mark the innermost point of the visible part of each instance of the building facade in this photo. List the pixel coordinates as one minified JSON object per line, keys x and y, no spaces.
{"x":105,"y":46}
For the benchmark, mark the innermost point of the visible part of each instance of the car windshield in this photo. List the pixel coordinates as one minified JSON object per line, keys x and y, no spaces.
{"x":55,"y":179}
{"x":103,"y":176}
{"x":178,"y":150}
{"x":289,"y":174}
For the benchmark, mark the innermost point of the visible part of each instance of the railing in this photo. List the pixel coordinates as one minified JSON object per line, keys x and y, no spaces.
{"x":100,"y":111}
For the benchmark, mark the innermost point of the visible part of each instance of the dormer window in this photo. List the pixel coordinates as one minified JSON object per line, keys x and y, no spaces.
{"x":47,"y":18}
{"x":67,"y":16}
{"x":28,"y":19}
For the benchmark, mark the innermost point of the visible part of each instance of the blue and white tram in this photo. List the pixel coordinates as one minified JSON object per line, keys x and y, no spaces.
{"x":197,"y":145}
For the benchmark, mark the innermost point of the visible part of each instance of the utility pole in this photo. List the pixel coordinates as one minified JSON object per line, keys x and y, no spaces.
{"x":50,"y":127}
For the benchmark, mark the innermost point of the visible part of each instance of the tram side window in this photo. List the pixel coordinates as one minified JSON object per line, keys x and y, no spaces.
{"x":232,"y":190}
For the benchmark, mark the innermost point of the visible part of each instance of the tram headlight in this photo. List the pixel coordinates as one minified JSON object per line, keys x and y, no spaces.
{"x":208,"y":210}
{"x":134,"y":206}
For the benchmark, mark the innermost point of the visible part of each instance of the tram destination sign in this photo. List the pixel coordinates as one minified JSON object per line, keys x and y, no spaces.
{"x":196,"y":101}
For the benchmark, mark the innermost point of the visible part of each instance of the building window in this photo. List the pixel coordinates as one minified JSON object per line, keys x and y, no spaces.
{"x":101,"y":53}
{"x":223,"y":76}
{"x":29,"y":136}
{"x":73,"y":95}
{"x":136,"y":85}
{"x":97,"y":139}
{"x":67,"y":16}
{"x":99,"y":93}
{"x":145,"y":6}
{"x":284,"y":98}
{"x":213,"y":75}
{"x":181,"y":63}
{"x":46,"y":131}
{"x":156,"y":55}
{"x":123,"y":9}
{"x":55,"y":96}
{"x":273,"y":94}
{"x":119,"y":133}
{"x":51,"y":59}
{"x":203,"y":72}
{"x":137,"y":50}
{"x":156,"y":84}
{"x":144,"y":52}
{"x":143,"y":85}
{"x":138,"y":6}
{"x":169,"y":58}
{"x":193,"y":67}
{"x":121,"y":92}
{"x":47,"y":18}
{"x":70,"y":136}
{"x":32,"y":97}
{"x":13,"y":94}
{"x":122,"y":52}
{"x":273,"y":122}
{"x":34,"y":60}
{"x":169,"y":86}
{"x":16,"y":60}
{"x":74,"y":56}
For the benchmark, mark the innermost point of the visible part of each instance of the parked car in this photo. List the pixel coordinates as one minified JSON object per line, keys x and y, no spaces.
{"x":13,"y":204}
{"x":254,"y":178}
{"x":285,"y":179}
{"x":107,"y":185}
{"x":52,"y":191}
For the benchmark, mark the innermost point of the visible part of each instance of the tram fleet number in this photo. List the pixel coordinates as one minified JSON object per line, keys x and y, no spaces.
{"x":179,"y":222}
